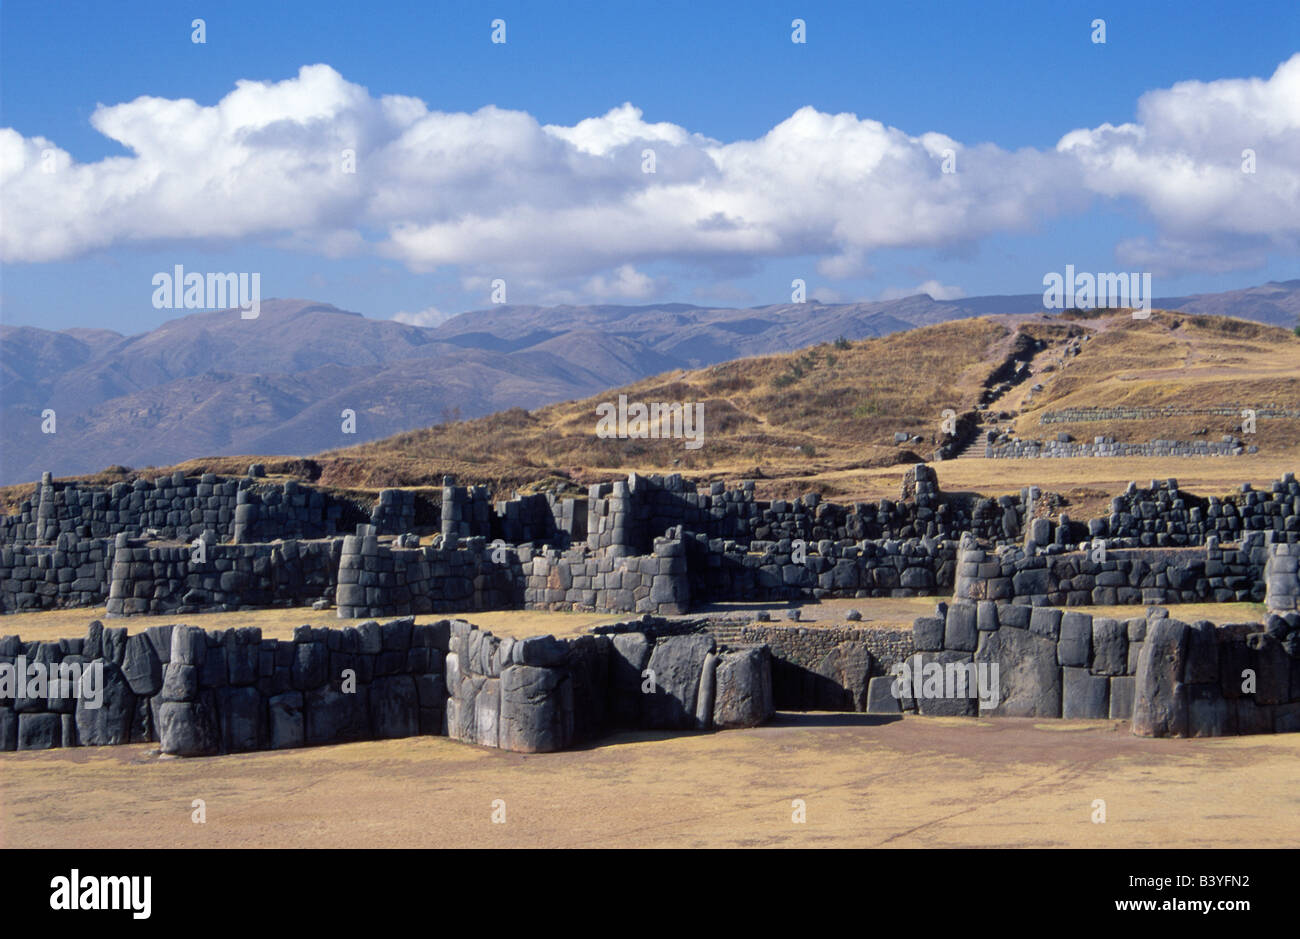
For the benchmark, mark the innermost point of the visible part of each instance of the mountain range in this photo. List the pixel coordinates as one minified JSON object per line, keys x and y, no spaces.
{"x":212,"y":383}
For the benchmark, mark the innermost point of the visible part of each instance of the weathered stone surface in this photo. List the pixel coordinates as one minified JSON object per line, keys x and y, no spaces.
{"x":536,"y":709}
{"x":394,"y":707}
{"x":743,"y":695}
{"x":189,"y":645}
{"x":1202,"y":664}
{"x":1209,"y":714}
{"x":539,"y":651}
{"x":880,"y":696}
{"x":841,"y":676}
{"x":110,"y":723}
{"x":8,"y":729}
{"x":1015,"y":615}
{"x":180,"y":682}
{"x":41,"y":731}
{"x":1109,"y":646}
{"x":141,"y":666}
{"x":242,"y":721}
{"x":334,"y":715}
{"x":1121,"y":697}
{"x":1074,"y":648}
{"x":287,"y":720}
{"x":1029,"y":680}
{"x":961,"y":627}
{"x":949,"y":685}
{"x":986,"y":619}
{"x":1084,"y":696}
{"x":629,"y":657}
{"x":704,"y":699}
{"x":487,"y":713}
{"x":310,"y":665}
{"x":927,"y":633}
{"x":1160,"y":699}
{"x":188,"y":728}
{"x":676,"y":663}
{"x":1045,"y":621}
{"x":1272,"y":669}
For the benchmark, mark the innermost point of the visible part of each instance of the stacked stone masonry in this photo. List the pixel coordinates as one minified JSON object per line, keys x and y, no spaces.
{"x":647,"y":544}
{"x":1167,"y":677}
{"x":199,"y":693}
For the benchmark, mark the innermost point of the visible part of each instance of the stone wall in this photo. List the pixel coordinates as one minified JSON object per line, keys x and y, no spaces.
{"x":1078,"y":415}
{"x":153,"y":578}
{"x":1282,"y":578}
{"x":722,"y":571}
{"x":1211,"y":573}
{"x":734,"y":546}
{"x":377,"y":579}
{"x":1025,"y":449}
{"x":624,"y":516}
{"x":1168,"y":677}
{"x":177,"y":507}
{"x":72,"y":572}
{"x":199,"y":694}
{"x":467,"y":512}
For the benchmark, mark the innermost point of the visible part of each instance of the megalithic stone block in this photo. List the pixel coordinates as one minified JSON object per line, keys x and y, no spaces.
{"x":1160,"y":696}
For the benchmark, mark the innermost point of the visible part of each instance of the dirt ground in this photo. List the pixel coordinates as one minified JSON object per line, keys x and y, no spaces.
{"x":865,"y":782}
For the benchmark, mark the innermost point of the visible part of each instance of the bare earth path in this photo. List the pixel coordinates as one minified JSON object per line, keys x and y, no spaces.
{"x":866,"y":782}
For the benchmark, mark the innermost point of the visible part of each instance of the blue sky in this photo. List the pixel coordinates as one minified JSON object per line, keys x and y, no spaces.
{"x":1014,"y":76}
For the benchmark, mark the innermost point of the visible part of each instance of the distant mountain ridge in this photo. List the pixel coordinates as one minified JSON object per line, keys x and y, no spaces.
{"x":213,"y":383}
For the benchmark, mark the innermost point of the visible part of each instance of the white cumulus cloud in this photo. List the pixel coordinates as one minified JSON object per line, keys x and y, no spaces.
{"x":318,"y":164}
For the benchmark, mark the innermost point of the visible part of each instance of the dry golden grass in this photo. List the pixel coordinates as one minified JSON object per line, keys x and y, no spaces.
{"x":279,"y":623}
{"x":877,"y":612}
{"x":823,"y":418}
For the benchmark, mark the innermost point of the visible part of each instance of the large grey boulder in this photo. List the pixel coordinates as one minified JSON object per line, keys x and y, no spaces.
{"x":1109,"y":646}
{"x":243,"y":722}
{"x":536,"y":710}
{"x":960,"y":627}
{"x":1084,"y":695}
{"x":141,"y":665}
{"x":287,"y":727}
{"x":1160,"y":697}
{"x":1121,"y":697}
{"x":949,"y":684}
{"x":1074,"y":648}
{"x":1209,"y":713}
{"x":39,"y":731}
{"x":334,"y":715}
{"x":743,"y":688}
{"x":629,"y":657}
{"x":180,"y":682}
{"x":676,"y":664}
{"x":394,"y":707}
{"x":188,"y":728}
{"x":487,"y":713}
{"x":841,"y":678}
{"x":110,"y":723}
{"x":881,"y":698}
{"x":927,"y":633}
{"x":704,"y":699}
{"x":1029,"y":681}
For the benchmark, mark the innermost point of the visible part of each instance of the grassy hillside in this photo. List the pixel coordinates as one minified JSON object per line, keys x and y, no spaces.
{"x":824,"y":418}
